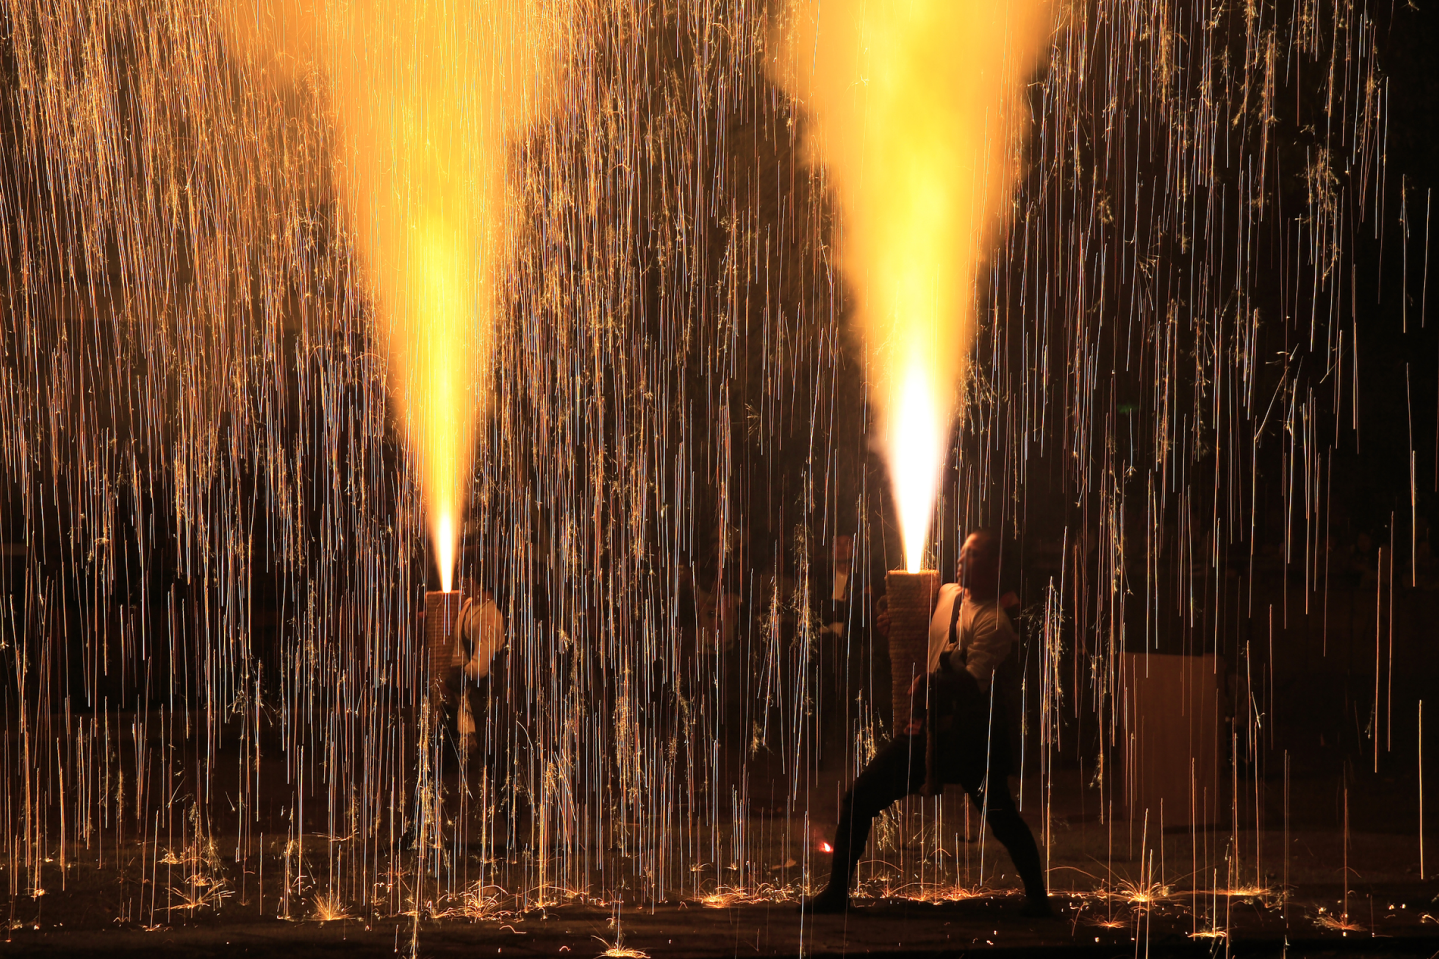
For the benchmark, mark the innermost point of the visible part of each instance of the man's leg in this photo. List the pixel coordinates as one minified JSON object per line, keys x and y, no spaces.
{"x":896,"y":771}
{"x":1011,"y":830}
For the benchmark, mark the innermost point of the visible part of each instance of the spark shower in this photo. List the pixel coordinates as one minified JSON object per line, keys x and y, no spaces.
{"x":1198,"y":397}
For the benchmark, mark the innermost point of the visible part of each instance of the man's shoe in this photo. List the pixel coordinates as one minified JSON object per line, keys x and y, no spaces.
{"x":1038,"y":909}
{"x":827,"y":903}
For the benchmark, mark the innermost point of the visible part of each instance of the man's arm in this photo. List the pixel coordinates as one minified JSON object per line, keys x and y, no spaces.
{"x":486,"y":634}
{"x":991,"y":641}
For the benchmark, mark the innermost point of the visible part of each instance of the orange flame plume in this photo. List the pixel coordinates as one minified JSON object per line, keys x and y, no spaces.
{"x":914,"y":110}
{"x":426,"y":97}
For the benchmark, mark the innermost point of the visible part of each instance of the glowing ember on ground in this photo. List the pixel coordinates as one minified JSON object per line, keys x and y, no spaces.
{"x":946,"y":893}
{"x":1341,"y":923}
{"x":1210,"y":933}
{"x":1245,"y":892}
{"x":330,"y":908}
{"x":620,"y":951}
{"x":1140,"y":894}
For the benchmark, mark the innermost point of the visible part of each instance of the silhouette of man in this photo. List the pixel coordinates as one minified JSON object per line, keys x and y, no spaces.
{"x":970,"y":635}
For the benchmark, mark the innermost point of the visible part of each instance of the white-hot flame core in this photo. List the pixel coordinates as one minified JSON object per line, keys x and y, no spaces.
{"x":444,"y":539}
{"x":918,"y":434}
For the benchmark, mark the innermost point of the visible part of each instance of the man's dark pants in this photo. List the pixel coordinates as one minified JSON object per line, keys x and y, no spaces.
{"x":897,"y":771}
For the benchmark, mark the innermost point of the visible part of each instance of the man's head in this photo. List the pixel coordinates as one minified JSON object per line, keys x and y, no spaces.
{"x":979,"y":565}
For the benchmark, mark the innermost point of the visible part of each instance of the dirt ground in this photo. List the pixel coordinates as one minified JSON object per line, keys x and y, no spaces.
{"x":1112,"y":901}
{"x":1336,"y":869}
{"x":897,"y":927}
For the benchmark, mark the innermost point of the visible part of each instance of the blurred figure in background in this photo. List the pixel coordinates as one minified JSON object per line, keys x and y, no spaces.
{"x":479,"y":650}
{"x":838,"y":587}
{"x":834,"y":587}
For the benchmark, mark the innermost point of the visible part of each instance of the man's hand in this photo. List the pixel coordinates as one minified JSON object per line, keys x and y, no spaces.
{"x":916,"y":707}
{"x":914,"y":685}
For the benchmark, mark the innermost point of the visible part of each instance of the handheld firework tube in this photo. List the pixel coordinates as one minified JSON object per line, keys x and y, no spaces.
{"x":441,"y":610}
{"x":911,"y":603}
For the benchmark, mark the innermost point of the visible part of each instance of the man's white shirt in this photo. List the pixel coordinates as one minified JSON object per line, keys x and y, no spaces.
{"x":983,"y":634}
{"x":484,"y":626}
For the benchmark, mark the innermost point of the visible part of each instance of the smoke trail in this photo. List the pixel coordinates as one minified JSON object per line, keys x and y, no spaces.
{"x":426,"y":98}
{"x":914,"y":108}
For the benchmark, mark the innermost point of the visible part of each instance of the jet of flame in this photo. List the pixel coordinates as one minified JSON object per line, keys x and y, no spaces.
{"x":914,"y":109}
{"x":426,"y":96}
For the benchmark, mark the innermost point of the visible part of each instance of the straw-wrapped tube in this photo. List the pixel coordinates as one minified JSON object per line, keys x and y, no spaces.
{"x":441,"y":610}
{"x":911,"y":602}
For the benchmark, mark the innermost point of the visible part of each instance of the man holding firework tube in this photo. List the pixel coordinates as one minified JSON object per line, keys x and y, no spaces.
{"x":950,"y":737}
